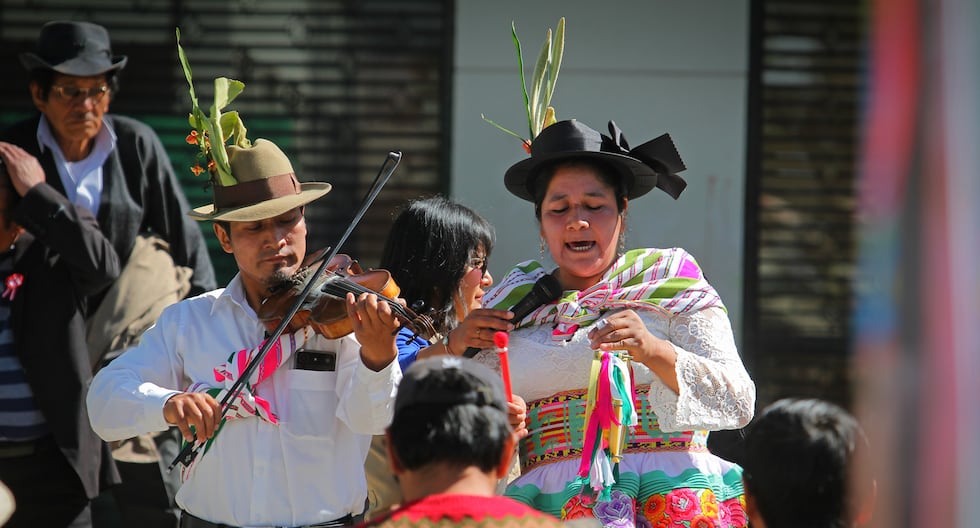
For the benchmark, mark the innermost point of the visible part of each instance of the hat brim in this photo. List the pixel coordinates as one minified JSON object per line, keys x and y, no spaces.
{"x":267,"y":209}
{"x":78,"y":66}
{"x":638,"y":178}
{"x":7,"y":503}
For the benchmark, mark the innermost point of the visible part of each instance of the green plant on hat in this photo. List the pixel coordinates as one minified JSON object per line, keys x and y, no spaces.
{"x":217,"y":125}
{"x":540,"y":113}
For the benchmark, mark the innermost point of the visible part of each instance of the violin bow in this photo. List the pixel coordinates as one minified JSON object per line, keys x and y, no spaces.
{"x":191,"y":449}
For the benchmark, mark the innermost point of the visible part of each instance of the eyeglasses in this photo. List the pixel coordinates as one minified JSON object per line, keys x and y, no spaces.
{"x":478,"y":262}
{"x":72,"y":93}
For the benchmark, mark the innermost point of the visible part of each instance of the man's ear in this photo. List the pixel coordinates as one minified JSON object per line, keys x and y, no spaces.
{"x":503,"y":467}
{"x":39,"y":102}
{"x":394,"y":463}
{"x":224,"y":237}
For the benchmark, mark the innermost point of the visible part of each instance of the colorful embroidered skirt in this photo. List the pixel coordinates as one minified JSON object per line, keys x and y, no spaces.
{"x":664,"y":479}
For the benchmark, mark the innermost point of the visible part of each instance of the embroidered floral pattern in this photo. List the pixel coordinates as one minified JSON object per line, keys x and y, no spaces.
{"x":577,"y":507}
{"x":683,"y":504}
{"x":679,"y":508}
{"x":655,"y":507}
{"x":618,"y":512}
{"x":732,"y":512}
{"x":641,"y":518}
{"x":709,"y":504}
{"x":690,"y":508}
{"x":703,"y":521}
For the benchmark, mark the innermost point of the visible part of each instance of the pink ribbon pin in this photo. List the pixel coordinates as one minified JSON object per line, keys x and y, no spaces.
{"x":14,"y":281}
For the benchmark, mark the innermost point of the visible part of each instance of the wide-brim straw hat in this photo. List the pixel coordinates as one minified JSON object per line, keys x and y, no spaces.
{"x":652,"y":164}
{"x":267,"y":186}
{"x":73,"y":48}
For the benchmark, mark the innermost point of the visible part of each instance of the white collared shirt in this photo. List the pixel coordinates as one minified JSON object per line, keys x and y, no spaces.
{"x":307,"y":469}
{"x":82,"y":179}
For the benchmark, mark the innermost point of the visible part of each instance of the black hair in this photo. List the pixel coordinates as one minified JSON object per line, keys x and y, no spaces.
{"x":427,"y":250}
{"x":45,"y":80}
{"x":606,"y":172}
{"x":799,"y":458}
{"x":226,"y":225}
{"x":461,"y":435}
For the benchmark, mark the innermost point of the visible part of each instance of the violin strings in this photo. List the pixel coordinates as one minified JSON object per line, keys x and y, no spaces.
{"x":340,"y":287}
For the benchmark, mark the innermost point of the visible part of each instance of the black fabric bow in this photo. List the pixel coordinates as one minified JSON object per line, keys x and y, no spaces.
{"x":659,"y":154}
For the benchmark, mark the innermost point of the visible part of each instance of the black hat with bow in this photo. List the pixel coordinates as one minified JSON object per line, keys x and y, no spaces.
{"x":73,"y":48}
{"x":652,"y":164}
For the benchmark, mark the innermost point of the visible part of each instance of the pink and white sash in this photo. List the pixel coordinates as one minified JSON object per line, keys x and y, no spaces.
{"x":246,"y":404}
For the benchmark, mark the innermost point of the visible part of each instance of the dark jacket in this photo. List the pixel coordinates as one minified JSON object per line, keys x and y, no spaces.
{"x":140,"y":194}
{"x":64,"y":258}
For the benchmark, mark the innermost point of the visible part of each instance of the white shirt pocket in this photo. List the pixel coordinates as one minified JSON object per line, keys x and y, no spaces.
{"x":311,"y":399}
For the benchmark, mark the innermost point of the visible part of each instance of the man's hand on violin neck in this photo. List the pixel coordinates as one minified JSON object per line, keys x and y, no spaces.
{"x":193,"y":409}
{"x":375,"y":327}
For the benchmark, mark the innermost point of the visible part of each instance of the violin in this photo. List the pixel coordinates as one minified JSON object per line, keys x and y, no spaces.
{"x":325,"y":308}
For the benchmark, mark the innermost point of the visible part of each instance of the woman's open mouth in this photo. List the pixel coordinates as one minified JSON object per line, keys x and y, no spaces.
{"x":580,"y":246}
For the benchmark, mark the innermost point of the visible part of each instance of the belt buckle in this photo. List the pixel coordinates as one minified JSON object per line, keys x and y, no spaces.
{"x":345,"y":520}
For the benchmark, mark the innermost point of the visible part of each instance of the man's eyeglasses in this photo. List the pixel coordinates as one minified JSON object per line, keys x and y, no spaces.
{"x":72,"y":93}
{"x":478,"y":262}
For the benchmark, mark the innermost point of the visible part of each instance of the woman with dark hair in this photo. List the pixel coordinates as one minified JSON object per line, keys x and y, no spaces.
{"x":437,"y":252}
{"x":628,"y":371}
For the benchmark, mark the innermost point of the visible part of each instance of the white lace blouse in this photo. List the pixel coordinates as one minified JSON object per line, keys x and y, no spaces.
{"x":715,"y":390}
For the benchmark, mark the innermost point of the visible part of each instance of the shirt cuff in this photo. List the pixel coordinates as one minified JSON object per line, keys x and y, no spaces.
{"x":378,"y":389}
{"x":155,"y":399}
{"x":384,"y":381}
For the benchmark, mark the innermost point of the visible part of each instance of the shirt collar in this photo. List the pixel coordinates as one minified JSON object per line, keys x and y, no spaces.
{"x":105,"y":141}
{"x":233,"y":295}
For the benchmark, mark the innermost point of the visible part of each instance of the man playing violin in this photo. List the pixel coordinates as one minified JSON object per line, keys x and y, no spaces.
{"x":291,"y":448}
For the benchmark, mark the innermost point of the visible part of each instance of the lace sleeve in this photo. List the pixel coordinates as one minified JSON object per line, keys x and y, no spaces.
{"x":715,"y":390}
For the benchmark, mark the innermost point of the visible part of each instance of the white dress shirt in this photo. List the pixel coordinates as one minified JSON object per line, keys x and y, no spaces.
{"x":82,"y":179}
{"x":307,"y":469}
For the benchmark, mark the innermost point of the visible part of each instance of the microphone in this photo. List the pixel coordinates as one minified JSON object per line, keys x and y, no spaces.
{"x":545,"y":290}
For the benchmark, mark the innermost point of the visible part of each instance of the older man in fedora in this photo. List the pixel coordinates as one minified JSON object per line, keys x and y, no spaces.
{"x":292,"y":447}
{"x":114,"y":166}
{"x":117,"y":169}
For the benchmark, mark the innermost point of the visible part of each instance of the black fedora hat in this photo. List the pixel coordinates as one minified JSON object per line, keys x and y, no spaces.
{"x":652,"y":164}
{"x":73,"y":48}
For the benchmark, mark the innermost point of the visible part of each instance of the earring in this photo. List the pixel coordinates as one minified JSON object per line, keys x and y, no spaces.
{"x":622,"y":232}
{"x":544,"y":246}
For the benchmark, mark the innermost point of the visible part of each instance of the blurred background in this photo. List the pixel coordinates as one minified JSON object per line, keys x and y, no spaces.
{"x":830,"y":149}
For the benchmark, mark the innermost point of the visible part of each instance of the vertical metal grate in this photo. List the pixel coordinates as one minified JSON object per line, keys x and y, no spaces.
{"x":336,"y":83}
{"x":801,"y":198}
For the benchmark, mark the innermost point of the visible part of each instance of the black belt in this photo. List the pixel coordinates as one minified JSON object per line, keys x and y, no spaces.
{"x":189,"y":521}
